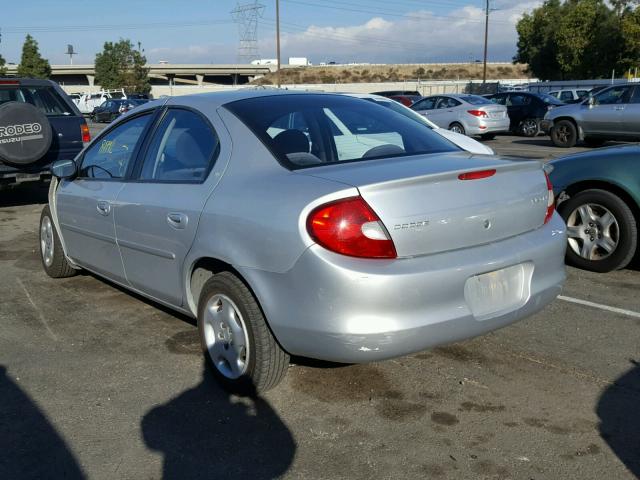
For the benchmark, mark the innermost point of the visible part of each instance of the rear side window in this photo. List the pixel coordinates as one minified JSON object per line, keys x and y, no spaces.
{"x":328,"y":129}
{"x":183,"y":149}
{"x":425,"y":104}
{"x":45,"y":99}
{"x":110,"y":157}
{"x":566,"y":96}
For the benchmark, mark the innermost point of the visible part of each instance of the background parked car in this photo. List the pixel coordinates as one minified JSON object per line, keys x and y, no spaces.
{"x":611,"y":114}
{"x":112,"y":109}
{"x":462,"y":141}
{"x":526,"y":110}
{"x":599,"y":198}
{"x":39,"y":124}
{"x":89,"y":101}
{"x":405,"y":97}
{"x":465,"y":114}
{"x":570,"y":95}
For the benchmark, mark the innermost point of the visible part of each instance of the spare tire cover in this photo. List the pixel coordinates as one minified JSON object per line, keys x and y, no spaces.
{"x":25,"y":133}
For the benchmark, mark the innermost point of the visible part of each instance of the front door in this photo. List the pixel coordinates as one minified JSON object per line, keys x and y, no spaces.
{"x":157,"y":215}
{"x":604,"y":117}
{"x":86,"y":204}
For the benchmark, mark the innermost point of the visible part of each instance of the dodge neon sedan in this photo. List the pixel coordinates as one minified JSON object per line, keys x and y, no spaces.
{"x":284,"y":234}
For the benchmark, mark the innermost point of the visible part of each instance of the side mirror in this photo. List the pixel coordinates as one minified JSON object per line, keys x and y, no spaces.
{"x":64,"y":169}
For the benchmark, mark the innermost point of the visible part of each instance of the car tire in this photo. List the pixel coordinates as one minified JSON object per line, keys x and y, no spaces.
{"x":613,"y":241}
{"x":457,"y":128}
{"x":594,"y":142}
{"x":236,"y":341}
{"x":564,"y":134}
{"x":53,"y":259}
{"x":488,"y":136}
{"x":529,"y":127}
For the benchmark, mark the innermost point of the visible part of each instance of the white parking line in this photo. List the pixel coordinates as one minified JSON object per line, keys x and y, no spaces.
{"x":622,"y":311}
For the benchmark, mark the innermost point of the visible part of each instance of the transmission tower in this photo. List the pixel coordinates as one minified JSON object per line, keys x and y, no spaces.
{"x":246,"y":15}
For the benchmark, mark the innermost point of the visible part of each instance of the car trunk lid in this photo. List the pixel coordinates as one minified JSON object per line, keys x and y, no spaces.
{"x":427,"y":208}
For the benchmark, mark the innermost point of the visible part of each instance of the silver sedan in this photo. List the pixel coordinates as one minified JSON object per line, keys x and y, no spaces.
{"x":466,"y":114}
{"x":305,"y":224}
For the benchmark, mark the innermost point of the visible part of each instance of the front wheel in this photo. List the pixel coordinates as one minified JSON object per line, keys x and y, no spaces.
{"x":564,"y":134}
{"x":602,"y":231}
{"x":236,"y":340}
{"x":457,"y":128}
{"x":54,"y":261}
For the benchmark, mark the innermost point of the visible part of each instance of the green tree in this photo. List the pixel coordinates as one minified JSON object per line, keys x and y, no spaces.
{"x":32,"y":64}
{"x":3,"y":68}
{"x":119,"y":65}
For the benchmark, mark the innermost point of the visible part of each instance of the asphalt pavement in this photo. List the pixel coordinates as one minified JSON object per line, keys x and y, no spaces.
{"x":97,"y":382}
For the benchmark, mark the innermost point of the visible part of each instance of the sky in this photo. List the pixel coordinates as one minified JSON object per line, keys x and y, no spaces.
{"x":198,"y":31}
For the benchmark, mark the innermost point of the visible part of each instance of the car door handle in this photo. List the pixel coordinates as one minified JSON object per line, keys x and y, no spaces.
{"x":177,"y":220}
{"x":103,"y":207}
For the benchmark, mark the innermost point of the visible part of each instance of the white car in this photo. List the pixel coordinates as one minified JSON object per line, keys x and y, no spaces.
{"x":88,"y":101}
{"x":462,"y":141}
{"x":570,"y":95}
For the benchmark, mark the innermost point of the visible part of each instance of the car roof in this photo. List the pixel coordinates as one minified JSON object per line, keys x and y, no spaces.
{"x":31,"y":82}
{"x":218,"y":99}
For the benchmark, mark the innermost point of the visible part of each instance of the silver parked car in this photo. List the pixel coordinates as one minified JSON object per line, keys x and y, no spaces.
{"x":466,"y":114}
{"x":283,"y":233}
{"x":611,"y":114}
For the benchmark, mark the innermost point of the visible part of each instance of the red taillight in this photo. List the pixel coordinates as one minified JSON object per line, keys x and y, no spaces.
{"x":349,"y":226}
{"x":478,"y":113}
{"x":477,"y":174}
{"x":86,"y":136}
{"x":9,"y":82}
{"x":551,"y":204}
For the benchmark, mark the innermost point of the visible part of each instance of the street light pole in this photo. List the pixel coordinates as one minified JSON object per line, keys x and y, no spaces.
{"x":278,"y":41}
{"x":486,"y":38}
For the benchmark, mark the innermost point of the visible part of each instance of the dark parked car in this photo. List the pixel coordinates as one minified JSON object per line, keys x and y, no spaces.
{"x":405,"y":97}
{"x":39,"y":124}
{"x":599,"y":198}
{"x":525,"y":110}
{"x":111,"y":109}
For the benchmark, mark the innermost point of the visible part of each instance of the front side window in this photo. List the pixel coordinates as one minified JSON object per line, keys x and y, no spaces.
{"x":182,"y":149}
{"x":612,"y":96}
{"x":336,"y":129}
{"x":111,"y":155}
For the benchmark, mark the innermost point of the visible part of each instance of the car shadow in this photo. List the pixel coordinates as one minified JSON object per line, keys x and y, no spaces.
{"x":24,"y":194}
{"x":30,"y":447}
{"x":619,"y":412}
{"x":206,"y":432}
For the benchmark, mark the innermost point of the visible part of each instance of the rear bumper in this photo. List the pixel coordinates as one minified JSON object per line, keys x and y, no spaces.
{"x":342,"y":309}
{"x":482,"y":126}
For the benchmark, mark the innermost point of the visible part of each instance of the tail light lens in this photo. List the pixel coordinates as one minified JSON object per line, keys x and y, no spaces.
{"x":551,"y":204}
{"x":478,"y":113}
{"x":350,"y":227}
{"x":86,"y":136}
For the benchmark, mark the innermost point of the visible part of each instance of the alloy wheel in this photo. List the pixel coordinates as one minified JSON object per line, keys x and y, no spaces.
{"x":593,"y":232}
{"x":46,"y":241}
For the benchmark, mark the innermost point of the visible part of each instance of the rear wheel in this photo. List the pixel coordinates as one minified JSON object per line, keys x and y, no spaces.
{"x":457,"y":128}
{"x":564,"y":134}
{"x":54,"y":261}
{"x":488,"y":136}
{"x":236,"y":340}
{"x":602,"y":231}
{"x":529,"y":127}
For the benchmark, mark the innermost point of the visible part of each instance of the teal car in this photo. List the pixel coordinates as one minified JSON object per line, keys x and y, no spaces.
{"x":598,"y":196}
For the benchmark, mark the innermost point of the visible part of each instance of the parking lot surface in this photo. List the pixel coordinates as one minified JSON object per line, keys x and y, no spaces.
{"x":100,"y":383}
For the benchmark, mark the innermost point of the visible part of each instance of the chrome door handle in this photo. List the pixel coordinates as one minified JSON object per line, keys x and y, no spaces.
{"x":104,"y":208}
{"x":177,"y":220}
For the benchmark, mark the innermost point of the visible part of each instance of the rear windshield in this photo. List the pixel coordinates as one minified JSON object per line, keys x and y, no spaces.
{"x":310,"y":130}
{"x":475,"y":100}
{"x":45,"y":99}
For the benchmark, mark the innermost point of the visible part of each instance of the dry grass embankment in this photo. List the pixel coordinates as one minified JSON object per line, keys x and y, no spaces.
{"x":392,"y":73}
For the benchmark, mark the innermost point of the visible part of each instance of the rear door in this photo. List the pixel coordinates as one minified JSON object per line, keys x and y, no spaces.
{"x":447,"y":111}
{"x":630,"y":118}
{"x":86,"y":204}
{"x":157,"y":216}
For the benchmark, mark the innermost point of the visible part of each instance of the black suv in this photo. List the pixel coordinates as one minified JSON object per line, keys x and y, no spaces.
{"x":39,"y":124}
{"x":526,"y":110}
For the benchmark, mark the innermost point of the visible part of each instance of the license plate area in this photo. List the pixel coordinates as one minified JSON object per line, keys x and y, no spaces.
{"x":499,"y":292}
{"x":496,"y":115}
